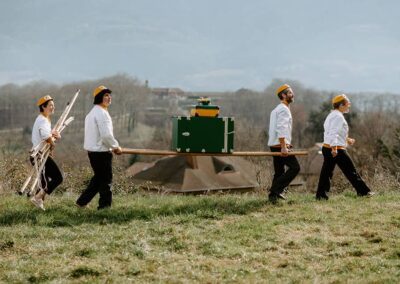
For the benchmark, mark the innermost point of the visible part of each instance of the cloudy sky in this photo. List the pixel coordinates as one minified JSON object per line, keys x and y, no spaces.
{"x":204,"y":45}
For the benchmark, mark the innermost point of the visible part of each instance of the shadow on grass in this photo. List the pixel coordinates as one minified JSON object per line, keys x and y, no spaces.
{"x":64,"y":216}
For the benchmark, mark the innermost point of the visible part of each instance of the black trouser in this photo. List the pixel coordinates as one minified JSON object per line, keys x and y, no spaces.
{"x":101,"y":181}
{"x":345,"y":163}
{"x":51,"y":176}
{"x":281,"y":178}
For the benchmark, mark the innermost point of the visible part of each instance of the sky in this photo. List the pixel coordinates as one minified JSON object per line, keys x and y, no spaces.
{"x":204,"y":45}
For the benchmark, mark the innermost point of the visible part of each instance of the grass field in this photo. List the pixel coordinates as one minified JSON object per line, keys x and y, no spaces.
{"x":208,"y":239}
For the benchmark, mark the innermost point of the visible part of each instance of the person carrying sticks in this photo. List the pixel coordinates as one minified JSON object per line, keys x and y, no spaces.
{"x":280,"y":138}
{"x":51,"y":176}
{"x":100,"y":143}
{"x":334,"y":151}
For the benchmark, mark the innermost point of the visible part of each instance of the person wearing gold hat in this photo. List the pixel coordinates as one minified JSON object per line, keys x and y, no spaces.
{"x":51,"y":176}
{"x":280,"y":139}
{"x":100,"y":143}
{"x":334,"y":150}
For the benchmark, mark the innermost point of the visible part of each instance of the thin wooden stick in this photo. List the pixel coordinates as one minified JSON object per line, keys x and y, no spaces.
{"x":28,"y":179}
{"x":173,"y":153}
{"x":39,"y":172}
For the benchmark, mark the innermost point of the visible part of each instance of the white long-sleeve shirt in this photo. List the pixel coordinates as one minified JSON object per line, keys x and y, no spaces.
{"x":280,"y":125}
{"x":41,"y":130}
{"x":99,"y":135}
{"x":336,"y":129}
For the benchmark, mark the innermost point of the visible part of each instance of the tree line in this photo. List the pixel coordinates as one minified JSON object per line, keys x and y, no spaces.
{"x":374,"y":120}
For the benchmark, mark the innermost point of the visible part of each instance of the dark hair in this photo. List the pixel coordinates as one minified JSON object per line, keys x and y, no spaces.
{"x":99,"y":98}
{"x":43,"y":105}
{"x":338,"y":104}
{"x":284,"y":92}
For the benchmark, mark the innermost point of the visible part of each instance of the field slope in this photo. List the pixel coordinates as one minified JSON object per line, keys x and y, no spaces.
{"x":208,"y":239}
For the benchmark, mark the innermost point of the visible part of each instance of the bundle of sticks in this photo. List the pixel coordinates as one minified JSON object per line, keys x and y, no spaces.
{"x":41,"y":152}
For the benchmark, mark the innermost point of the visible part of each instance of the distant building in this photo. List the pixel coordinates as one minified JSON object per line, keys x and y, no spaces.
{"x":164,"y":104}
{"x":167,"y":92}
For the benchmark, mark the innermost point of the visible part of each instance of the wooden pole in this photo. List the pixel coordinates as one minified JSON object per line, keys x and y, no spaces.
{"x":173,"y":153}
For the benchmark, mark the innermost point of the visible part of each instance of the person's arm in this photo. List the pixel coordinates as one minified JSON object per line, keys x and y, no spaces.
{"x":284,"y":149}
{"x":283,"y":118}
{"x":336,"y":126}
{"x":117,"y":151}
{"x":105,"y":129}
{"x":56,"y":134}
{"x":46,"y":135}
{"x":350,"y":141}
{"x":51,"y":141}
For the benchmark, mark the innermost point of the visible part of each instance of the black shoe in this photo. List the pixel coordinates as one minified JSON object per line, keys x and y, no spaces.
{"x":322,"y":196}
{"x":368,"y":194}
{"x":281,"y":196}
{"x":81,"y":206}
{"x":103,"y":207}
{"x":273,"y":198}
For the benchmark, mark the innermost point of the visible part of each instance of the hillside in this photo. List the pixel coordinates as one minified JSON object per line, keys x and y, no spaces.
{"x":207,"y":239}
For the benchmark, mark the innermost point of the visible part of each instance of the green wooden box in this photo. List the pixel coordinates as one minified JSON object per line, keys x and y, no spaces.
{"x":202,"y":134}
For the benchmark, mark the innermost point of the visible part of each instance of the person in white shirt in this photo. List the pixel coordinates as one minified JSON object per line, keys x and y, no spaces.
{"x":51,"y":176}
{"x":100,"y":143}
{"x":280,"y":139}
{"x":334,"y":150}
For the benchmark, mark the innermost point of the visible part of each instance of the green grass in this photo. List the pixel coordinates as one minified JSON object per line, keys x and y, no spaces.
{"x":218,"y":238}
